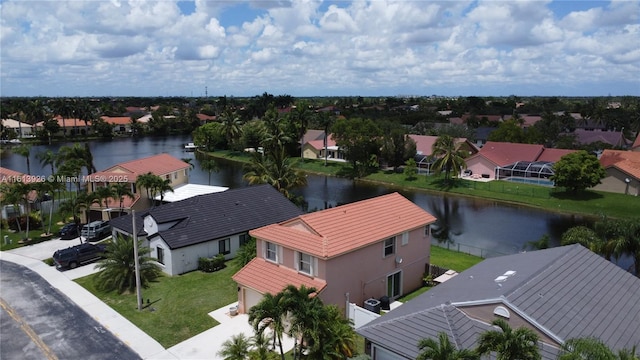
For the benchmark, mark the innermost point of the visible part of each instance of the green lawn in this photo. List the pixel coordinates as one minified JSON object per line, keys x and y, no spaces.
{"x":181,"y":303}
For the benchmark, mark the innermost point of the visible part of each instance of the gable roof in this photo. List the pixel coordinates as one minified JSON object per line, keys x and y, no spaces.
{"x":117,"y":120}
{"x":553,"y":155}
{"x":267,"y":277}
{"x":564,"y":292}
{"x":625,"y":161}
{"x":614,"y":138}
{"x":319,"y":144}
{"x":161,"y":164}
{"x":424,"y":143}
{"x":313,"y":134}
{"x":336,"y":231}
{"x":218,"y":215}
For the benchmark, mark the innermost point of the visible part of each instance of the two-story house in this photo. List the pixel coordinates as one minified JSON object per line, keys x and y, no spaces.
{"x":166,"y":166}
{"x":367,"y":249}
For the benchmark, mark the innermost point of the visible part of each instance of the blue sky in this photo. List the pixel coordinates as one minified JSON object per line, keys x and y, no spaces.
{"x":319,"y":48}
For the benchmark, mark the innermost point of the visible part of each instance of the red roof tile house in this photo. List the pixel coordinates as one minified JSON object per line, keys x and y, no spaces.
{"x":121,"y":124}
{"x":351,"y":253}
{"x":497,"y":160}
{"x":623,"y":172}
{"x":163,"y":165}
{"x":314,"y":149}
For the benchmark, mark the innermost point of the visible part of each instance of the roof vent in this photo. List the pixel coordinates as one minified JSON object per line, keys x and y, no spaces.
{"x":501,"y":311}
{"x":504,"y":276}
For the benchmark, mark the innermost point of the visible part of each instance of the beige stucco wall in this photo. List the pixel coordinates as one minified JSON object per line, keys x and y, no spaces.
{"x":480,"y":165}
{"x":309,"y":152}
{"x":614,"y":182}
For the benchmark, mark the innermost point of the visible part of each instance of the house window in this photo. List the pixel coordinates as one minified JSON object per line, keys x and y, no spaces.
{"x":224,"y":246}
{"x":244,"y":238}
{"x":271,"y":252}
{"x":168,"y":176}
{"x":305,"y":262}
{"x":390,"y":246}
{"x":175,"y":175}
{"x":405,"y":238}
{"x":160,"y":255}
{"x":427,"y":230}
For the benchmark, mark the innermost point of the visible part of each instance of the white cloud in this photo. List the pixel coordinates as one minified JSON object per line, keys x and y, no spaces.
{"x":307,"y":47}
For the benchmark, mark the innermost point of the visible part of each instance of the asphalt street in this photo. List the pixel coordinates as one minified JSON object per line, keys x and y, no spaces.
{"x":39,"y":322}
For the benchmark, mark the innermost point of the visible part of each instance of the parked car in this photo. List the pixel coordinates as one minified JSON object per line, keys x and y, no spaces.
{"x":96,"y":230}
{"x":69,"y":231}
{"x":77,"y":255}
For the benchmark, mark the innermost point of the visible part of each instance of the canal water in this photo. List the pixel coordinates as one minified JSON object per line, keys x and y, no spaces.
{"x":477,"y":226}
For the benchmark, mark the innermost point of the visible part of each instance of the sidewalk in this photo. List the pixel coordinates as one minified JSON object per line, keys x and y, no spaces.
{"x":202,"y":346}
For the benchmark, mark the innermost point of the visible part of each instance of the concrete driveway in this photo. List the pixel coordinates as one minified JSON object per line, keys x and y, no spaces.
{"x":202,"y":346}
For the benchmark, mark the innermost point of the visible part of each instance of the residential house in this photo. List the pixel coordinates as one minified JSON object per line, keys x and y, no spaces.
{"x":70,"y":126}
{"x":21,"y":129}
{"x":623,"y":172}
{"x":482,"y":135}
{"x":613,"y":138}
{"x":558,"y":293}
{"x":181,"y":232}
{"x":120,"y":124}
{"x":163,"y":165}
{"x":12,"y":176}
{"x":204,"y":118}
{"x":424,"y":149}
{"x":314,"y":149}
{"x":531,"y":160}
{"x":367,"y":249}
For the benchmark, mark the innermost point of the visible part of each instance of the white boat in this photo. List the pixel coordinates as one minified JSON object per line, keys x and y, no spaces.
{"x":190,"y":147}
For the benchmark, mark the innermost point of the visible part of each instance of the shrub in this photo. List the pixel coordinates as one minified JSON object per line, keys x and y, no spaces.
{"x":48,"y":261}
{"x":211,"y":264}
{"x":34,"y":223}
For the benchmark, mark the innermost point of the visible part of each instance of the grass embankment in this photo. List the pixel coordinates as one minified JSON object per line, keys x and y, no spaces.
{"x":180,"y":303}
{"x":593,"y":203}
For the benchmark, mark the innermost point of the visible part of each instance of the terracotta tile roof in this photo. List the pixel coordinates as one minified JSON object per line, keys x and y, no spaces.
{"x":267,"y":277}
{"x":332,"y":232}
{"x":161,"y":164}
{"x":319,"y":144}
{"x":313,"y":134}
{"x":69,"y":122}
{"x":626,"y":161}
{"x":424,"y":143}
{"x":8,"y":175}
{"x":127,"y":203}
{"x":205,"y":117}
{"x":554,"y":155}
{"x":504,"y":153}
{"x":116,"y":120}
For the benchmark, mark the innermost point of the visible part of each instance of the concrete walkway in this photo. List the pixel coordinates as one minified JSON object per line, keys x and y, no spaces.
{"x":202,"y":346}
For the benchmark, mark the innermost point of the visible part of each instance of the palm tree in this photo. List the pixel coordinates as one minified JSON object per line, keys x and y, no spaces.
{"x":446,"y":156}
{"x":236,"y":348}
{"x":509,"y":344}
{"x":147,"y":182}
{"x":12,"y":194}
{"x":275,"y":169}
{"x":269,"y":313}
{"x":305,"y":311}
{"x":335,"y":335}
{"x":47,"y":157}
{"x":74,"y":206}
{"x":585,"y":348}
{"x":231,"y":126}
{"x":24,"y":150}
{"x":163,"y":186}
{"x":117,"y":269}
{"x":189,"y":161}
{"x":443,"y":349}
{"x":120,"y":191}
{"x":102,"y":196}
{"x":77,"y":152}
{"x":325,"y":121}
{"x":209,"y":165}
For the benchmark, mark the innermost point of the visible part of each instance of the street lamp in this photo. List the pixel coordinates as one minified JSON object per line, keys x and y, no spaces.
{"x":626,"y":190}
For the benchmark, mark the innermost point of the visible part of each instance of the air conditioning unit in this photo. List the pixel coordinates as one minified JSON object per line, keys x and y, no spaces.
{"x":372,"y":305}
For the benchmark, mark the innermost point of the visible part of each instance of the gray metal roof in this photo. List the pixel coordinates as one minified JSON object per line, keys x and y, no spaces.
{"x":218,"y":215}
{"x":565,"y":292}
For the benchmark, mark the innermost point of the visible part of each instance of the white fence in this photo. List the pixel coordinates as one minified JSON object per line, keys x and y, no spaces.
{"x":360,"y":316}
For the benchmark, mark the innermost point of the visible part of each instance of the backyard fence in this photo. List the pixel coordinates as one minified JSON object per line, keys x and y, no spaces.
{"x":469,"y":249}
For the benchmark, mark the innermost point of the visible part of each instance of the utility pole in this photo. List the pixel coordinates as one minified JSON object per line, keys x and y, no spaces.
{"x":137,"y":262}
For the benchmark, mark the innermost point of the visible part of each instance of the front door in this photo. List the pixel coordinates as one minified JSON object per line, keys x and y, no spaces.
{"x":394,"y":285}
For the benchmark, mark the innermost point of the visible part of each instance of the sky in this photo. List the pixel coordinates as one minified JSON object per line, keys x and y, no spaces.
{"x":317,"y":48}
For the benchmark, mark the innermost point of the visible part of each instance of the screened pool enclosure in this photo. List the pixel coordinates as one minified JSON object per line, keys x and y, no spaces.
{"x":531,"y":172}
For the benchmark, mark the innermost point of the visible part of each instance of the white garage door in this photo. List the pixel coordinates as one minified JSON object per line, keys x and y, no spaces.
{"x":251,"y":298}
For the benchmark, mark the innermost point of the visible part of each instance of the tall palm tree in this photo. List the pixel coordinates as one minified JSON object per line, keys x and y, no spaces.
{"x":628,"y":242}
{"x":335,"y":337}
{"x":74,"y":206}
{"x":117,"y":269}
{"x":120,"y":191}
{"x":77,"y":152}
{"x":236,"y":348}
{"x":305,"y":312}
{"x":231,"y":126}
{"x":49,"y":158}
{"x":585,"y":348}
{"x":300,"y":116}
{"x":269,"y":313}
{"x":443,"y":349}
{"x":102,"y":196}
{"x":190,"y":162}
{"x":446,"y":156}
{"x":25,"y":151}
{"x":147,"y":182}
{"x":325,"y":120}
{"x":163,"y":186}
{"x":209,"y":165}
{"x":12,"y":194}
{"x":509,"y":344}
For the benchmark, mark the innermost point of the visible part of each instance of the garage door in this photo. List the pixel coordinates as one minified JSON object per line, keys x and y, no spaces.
{"x":251,"y":298}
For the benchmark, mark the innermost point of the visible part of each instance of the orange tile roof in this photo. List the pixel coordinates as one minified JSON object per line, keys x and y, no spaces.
{"x":319,"y":144}
{"x":267,"y":277}
{"x":69,"y":122}
{"x":116,"y":120}
{"x":160,"y":164}
{"x":127,"y":203}
{"x":554,"y":155}
{"x":336,"y":231}
{"x":504,"y":153}
{"x":424,"y":143}
{"x":626,"y":161}
{"x":205,"y":117}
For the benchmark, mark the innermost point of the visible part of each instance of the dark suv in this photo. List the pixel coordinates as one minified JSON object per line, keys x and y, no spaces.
{"x":78,"y":255}
{"x":69,"y":231}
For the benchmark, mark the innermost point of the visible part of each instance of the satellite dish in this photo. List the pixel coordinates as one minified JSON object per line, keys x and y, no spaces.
{"x":398,"y":260}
